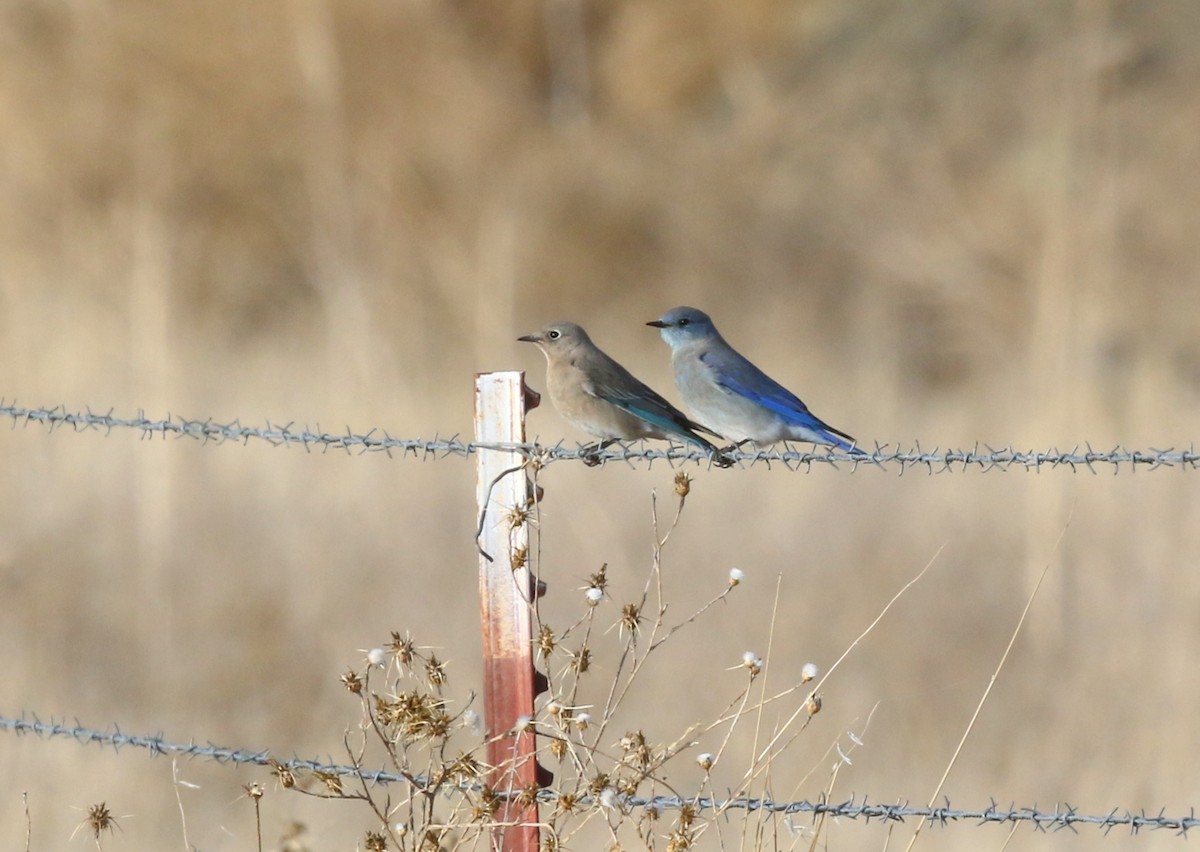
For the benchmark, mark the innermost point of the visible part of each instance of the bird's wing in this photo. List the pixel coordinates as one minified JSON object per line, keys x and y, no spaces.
{"x":737,"y":375}
{"x":640,"y":400}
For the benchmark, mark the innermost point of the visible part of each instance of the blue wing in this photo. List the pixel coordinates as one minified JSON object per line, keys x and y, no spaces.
{"x":643,"y":401}
{"x":738,"y":375}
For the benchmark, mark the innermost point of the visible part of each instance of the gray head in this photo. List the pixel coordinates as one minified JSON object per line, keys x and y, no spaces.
{"x":558,"y":338}
{"x":683,"y":325}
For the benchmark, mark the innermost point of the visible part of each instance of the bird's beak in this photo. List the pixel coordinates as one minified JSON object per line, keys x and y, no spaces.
{"x":658,"y":323}
{"x":529,"y":338}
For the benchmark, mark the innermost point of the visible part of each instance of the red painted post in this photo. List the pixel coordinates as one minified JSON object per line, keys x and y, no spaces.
{"x":501,"y":400}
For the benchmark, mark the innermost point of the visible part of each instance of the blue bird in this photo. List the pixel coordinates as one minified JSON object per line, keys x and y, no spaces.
{"x":731,"y":396}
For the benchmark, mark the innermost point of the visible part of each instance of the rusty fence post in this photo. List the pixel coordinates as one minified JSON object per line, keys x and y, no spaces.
{"x":505,"y":595}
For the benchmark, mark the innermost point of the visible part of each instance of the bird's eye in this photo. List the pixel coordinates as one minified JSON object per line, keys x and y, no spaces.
{"x":554,"y":334}
{"x":684,"y":322}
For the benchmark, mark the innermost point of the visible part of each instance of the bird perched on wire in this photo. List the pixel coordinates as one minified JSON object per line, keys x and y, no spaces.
{"x":601,"y":397}
{"x":731,"y":396}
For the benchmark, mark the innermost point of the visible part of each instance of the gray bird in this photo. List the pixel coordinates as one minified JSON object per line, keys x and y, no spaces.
{"x":601,"y":397}
{"x":731,"y":396}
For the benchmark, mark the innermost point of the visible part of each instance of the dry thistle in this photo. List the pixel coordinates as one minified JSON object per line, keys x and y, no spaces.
{"x":753,"y":662}
{"x":631,"y":617}
{"x":598,"y":784}
{"x":527,"y":795}
{"x":282,"y":774}
{"x":333,"y":784}
{"x":519,"y":557}
{"x":599,"y":580}
{"x":545,"y":641}
{"x":99,"y":819}
{"x":736,"y":575}
{"x":489,"y":802}
{"x":636,"y":751}
{"x":402,"y":648}
{"x":254,"y":791}
{"x":705,"y":761}
{"x":687,"y":816}
{"x":809,"y":672}
{"x":518,"y":516}
{"x":581,"y":660}
{"x":414,"y":715}
{"x":374,"y":842}
{"x":683,"y":485}
{"x":677,"y":841}
{"x":567,"y":803}
{"x":813,"y":704}
{"x":435,"y":671}
{"x":465,"y":770}
{"x":353,"y":681}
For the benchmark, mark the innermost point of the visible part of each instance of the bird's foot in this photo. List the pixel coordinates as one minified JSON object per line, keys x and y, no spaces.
{"x":720,"y":459}
{"x":591,"y":453}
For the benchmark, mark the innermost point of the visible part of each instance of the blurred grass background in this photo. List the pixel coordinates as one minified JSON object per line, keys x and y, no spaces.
{"x":940,"y":221}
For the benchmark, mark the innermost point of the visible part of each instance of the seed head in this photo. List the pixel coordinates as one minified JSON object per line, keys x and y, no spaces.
{"x":99,"y":819}
{"x":471,"y":720}
{"x":753,"y":662}
{"x":353,"y":682}
{"x":545,"y":641}
{"x":402,"y":648}
{"x":631,"y":617}
{"x":683,"y":484}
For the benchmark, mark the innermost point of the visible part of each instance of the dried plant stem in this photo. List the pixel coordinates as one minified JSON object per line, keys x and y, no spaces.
{"x":991,"y":683}
{"x":850,"y":648}
{"x":179,"y":801}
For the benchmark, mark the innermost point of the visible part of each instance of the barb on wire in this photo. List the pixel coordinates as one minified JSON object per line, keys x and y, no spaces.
{"x":884,"y":456}
{"x":1062,"y":816}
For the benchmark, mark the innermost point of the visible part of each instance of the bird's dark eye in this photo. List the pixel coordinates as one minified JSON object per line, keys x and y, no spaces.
{"x":554,"y":334}
{"x":684,"y":322}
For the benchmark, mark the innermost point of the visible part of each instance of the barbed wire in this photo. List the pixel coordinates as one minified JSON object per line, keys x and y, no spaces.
{"x":980,"y":457}
{"x":1063,"y":816}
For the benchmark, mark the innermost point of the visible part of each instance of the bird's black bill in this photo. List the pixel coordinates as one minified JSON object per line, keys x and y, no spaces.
{"x":658,"y":323}
{"x":528,"y":338}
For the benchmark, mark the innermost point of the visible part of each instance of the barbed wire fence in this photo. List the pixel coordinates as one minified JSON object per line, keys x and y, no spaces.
{"x":886,"y":457}
{"x":1061,"y":817}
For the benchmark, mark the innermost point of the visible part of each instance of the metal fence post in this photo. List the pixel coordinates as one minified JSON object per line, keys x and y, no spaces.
{"x":506,"y":591}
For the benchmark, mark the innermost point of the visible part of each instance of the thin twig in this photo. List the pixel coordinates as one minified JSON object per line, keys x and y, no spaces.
{"x":992,"y":682}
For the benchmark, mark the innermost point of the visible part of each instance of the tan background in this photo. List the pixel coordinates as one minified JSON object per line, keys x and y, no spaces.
{"x":937,"y":221}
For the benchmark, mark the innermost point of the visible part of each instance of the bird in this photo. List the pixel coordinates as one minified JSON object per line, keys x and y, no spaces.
{"x":730,"y":396}
{"x":599,"y":396}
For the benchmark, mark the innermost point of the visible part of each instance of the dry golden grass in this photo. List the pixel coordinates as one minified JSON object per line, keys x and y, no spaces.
{"x":939,"y":221}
